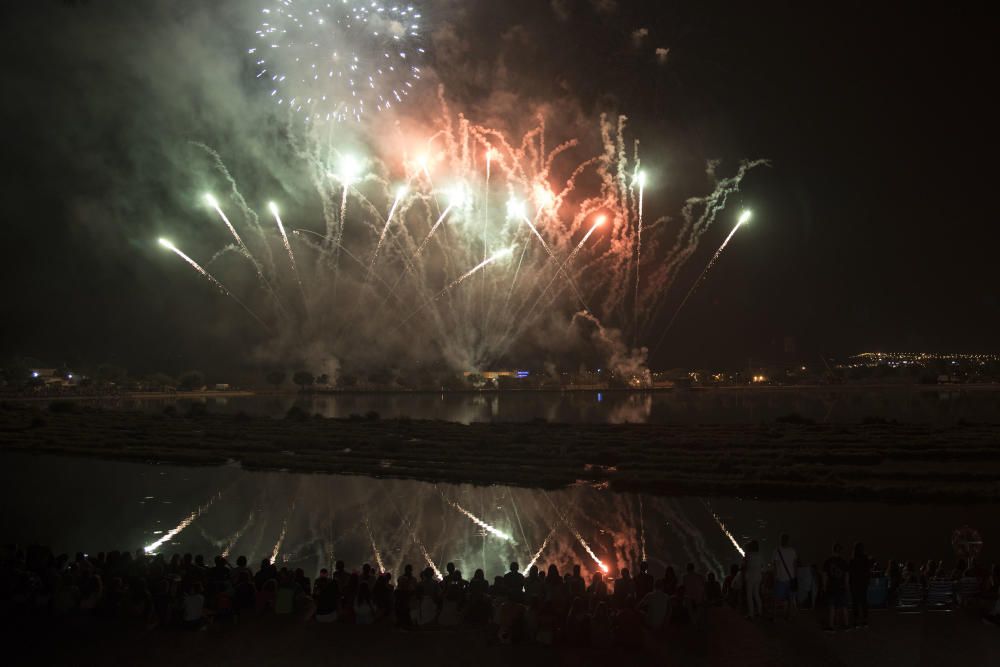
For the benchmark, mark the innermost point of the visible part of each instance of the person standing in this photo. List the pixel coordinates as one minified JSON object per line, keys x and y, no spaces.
{"x":785,"y":561}
{"x":835,"y":570}
{"x":753,"y":570}
{"x":860,"y":575}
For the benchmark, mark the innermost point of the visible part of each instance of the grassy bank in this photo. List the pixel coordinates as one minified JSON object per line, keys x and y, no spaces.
{"x":793,"y":459}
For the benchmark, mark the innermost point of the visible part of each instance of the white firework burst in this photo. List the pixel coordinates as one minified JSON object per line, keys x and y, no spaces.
{"x":339,"y":60}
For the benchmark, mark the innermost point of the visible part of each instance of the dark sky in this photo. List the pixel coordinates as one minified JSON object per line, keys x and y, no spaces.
{"x":874,"y":225}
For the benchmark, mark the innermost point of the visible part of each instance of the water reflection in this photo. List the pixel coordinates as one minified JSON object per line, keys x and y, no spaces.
{"x":716,"y":406}
{"x":310,"y":521}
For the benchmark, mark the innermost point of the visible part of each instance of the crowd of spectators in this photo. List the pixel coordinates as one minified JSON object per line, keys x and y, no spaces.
{"x":146,"y":591}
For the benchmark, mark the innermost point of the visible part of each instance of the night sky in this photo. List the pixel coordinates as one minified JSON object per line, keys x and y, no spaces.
{"x":874,"y":227}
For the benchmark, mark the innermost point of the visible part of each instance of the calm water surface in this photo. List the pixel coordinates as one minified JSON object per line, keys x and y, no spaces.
{"x":310,"y":520}
{"x":713,"y":406}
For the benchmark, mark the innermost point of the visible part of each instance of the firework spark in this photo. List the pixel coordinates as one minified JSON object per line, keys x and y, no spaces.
{"x":338,"y":60}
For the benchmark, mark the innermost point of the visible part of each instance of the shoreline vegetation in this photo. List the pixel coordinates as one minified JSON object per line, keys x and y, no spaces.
{"x":791,"y":458}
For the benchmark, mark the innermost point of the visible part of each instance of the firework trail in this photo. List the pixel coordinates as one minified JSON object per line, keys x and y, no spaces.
{"x":208,"y":276}
{"x":744,"y":218}
{"x":517,"y":514}
{"x":458,"y":281}
{"x":400,"y":193}
{"x":177,"y":530}
{"x":420,"y":545}
{"x":492,"y":530}
{"x":213,"y":202}
{"x":579,"y":537}
{"x":725,"y":530}
{"x":538,"y":554}
{"x":231,"y":542}
{"x":288,"y":247}
{"x":642,"y":529}
{"x":705,"y":555}
{"x":641,"y":178}
{"x":371,"y":537}
{"x":281,"y":540}
{"x":281,"y":536}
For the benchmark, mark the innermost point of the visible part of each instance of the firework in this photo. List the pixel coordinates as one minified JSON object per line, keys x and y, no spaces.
{"x":288,"y":246}
{"x":492,"y":530}
{"x":338,"y":60}
{"x":413,"y":246}
{"x":212,"y":279}
{"x":187,"y":521}
{"x":743,"y":219}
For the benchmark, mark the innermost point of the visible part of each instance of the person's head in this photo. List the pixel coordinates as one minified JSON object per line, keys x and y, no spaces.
{"x":408,"y":570}
{"x":199,"y":560}
{"x":241,"y":561}
{"x":478,"y":575}
{"x":643,"y":567}
{"x":576,"y":569}
{"x":837,"y":548}
{"x":625,"y":573}
{"x":859,"y":550}
{"x":533,"y":572}
{"x":710,"y":577}
{"x":366,"y":570}
{"x":450,"y":567}
{"x":265,"y":563}
{"x":514,"y":566}
{"x":323,"y":573}
{"x":598,"y":577}
{"x":553,"y":572}
{"x":690,"y":568}
{"x":785,"y":539}
{"x":339,"y":566}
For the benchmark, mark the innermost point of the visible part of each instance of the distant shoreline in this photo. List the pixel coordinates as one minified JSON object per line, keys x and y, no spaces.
{"x":790,"y":460}
{"x":155,"y":395}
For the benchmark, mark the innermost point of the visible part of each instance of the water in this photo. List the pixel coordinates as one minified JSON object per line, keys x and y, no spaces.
{"x":709,"y":406}
{"x":311,"y":520}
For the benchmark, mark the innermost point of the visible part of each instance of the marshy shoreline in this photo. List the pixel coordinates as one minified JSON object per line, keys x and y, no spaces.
{"x":790,"y":459}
